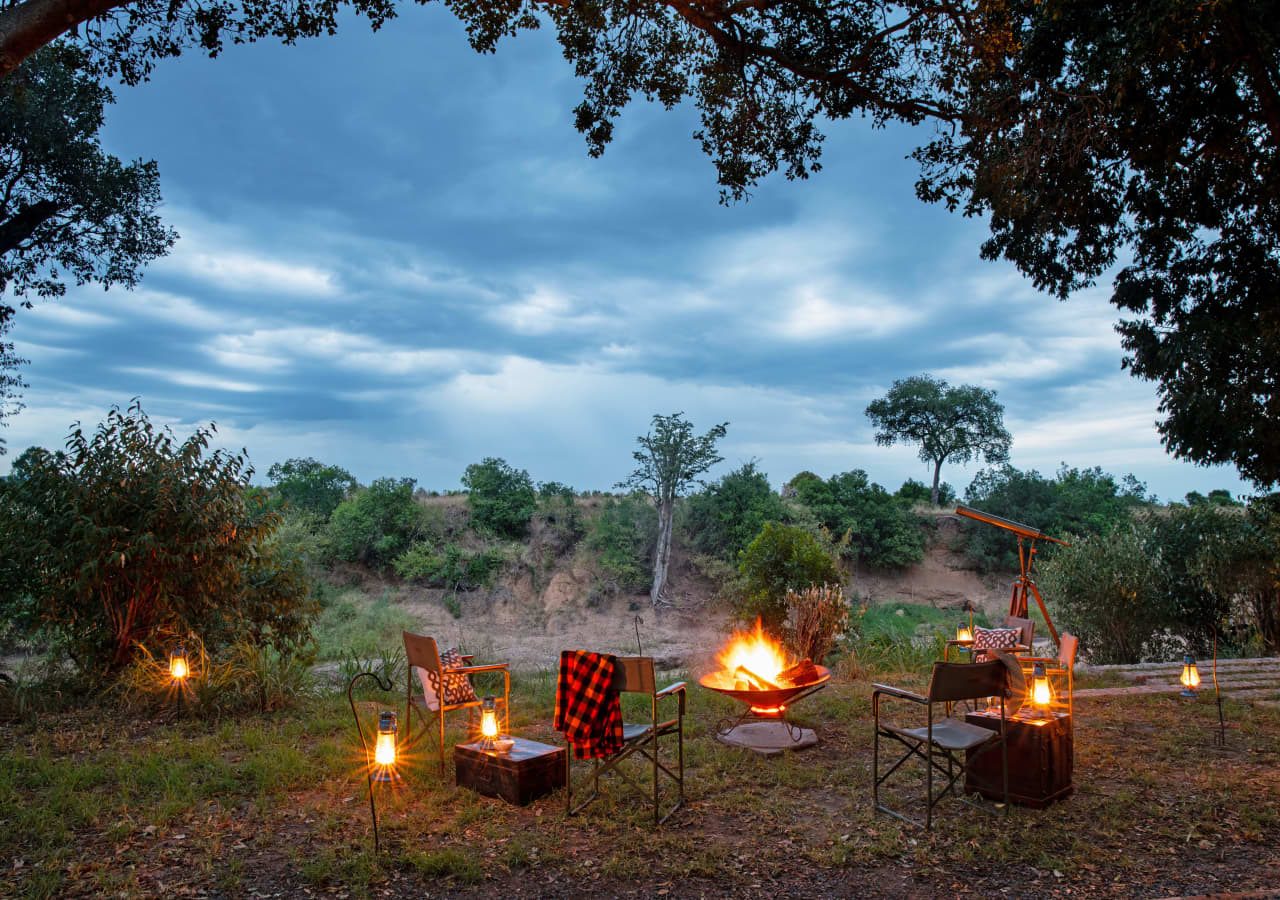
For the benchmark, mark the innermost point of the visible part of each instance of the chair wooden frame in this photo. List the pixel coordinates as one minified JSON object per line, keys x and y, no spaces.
{"x":1061,"y":668}
{"x":949,"y":683}
{"x":422,"y":652}
{"x":635,"y":675}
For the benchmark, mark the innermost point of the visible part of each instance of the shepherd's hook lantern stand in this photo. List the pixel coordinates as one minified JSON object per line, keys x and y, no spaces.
{"x":382,"y":767}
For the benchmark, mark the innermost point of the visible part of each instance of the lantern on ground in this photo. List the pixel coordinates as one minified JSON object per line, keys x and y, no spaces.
{"x":488,"y":723}
{"x":179,"y":668}
{"x":1190,"y":676}
{"x":1041,"y":690}
{"x":384,"y":747}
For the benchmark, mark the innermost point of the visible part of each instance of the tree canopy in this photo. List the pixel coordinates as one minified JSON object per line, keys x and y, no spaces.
{"x":951,"y":424}
{"x":308,"y":485}
{"x":1144,"y":135}
{"x":68,"y":210}
{"x":668,"y":463}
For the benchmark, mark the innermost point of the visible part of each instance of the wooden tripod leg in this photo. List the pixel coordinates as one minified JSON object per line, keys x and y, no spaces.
{"x":1057,"y":642}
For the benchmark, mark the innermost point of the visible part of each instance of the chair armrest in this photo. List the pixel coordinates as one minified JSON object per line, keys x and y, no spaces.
{"x":469,"y":670}
{"x":958,"y":642}
{"x":899,"y":693}
{"x":672,"y":690}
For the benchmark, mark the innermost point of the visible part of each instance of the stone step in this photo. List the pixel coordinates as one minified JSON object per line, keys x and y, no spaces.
{"x":1172,"y":688}
{"x":1223,"y":665}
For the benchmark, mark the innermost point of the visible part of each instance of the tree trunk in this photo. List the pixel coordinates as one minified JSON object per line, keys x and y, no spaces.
{"x":937,"y":471}
{"x":662,"y":552}
{"x":28,"y":26}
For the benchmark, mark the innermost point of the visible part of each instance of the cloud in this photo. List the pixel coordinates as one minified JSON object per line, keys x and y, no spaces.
{"x":202,"y":380}
{"x":280,"y":349}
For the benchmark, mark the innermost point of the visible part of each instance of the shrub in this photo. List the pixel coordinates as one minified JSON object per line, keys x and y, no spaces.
{"x":1108,"y":591}
{"x":882,"y":531}
{"x":378,"y":523}
{"x":131,"y":536}
{"x":310,"y":486}
{"x":623,"y":534}
{"x":816,"y":617}
{"x":249,"y":677}
{"x":351,"y":625}
{"x":915,"y":492}
{"x":501,"y":498}
{"x":1077,"y":502}
{"x":782,"y":558}
{"x":450,"y":566}
{"x":725,"y":517}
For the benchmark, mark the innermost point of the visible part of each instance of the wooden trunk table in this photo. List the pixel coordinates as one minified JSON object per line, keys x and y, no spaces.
{"x":525,"y":772}
{"x":1040,"y":758}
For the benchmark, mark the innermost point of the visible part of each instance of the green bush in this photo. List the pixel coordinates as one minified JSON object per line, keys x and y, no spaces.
{"x":622,"y":534}
{"x":915,"y":492}
{"x":1108,"y":590}
{"x":132,"y":538}
{"x":1076,"y":502}
{"x":501,"y":498}
{"x":723,"y":518}
{"x":450,"y":566}
{"x":882,"y":531}
{"x":378,"y":523}
{"x":782,"y":558}
{"x":310,"y":486}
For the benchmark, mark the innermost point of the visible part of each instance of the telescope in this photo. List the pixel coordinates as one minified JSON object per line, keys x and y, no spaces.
{"x":1023,"y":587}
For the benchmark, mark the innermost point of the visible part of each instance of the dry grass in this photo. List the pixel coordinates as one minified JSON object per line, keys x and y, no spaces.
{"x":95,"y":803}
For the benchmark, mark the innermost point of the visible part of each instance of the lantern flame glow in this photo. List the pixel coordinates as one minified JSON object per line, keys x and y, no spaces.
{"x":1190,"y":676}
{"x":488,"y":720}
{"x":1041,"y":692}
{"x":178,"y":667}
{"x":384,"y":747}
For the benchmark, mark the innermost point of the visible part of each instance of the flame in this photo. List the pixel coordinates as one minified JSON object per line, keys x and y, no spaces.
{"x":1190,"y":676}
{"x":1040,"y":692}
{"x":753,"y":650}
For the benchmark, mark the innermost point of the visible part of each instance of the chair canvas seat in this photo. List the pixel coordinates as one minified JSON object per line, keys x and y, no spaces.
{"x":950,"y":734}
{"x":941,"y":743}
{"x":635,"y":674}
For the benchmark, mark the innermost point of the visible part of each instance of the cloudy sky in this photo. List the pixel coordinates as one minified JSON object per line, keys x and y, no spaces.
{"x":397,"y":256}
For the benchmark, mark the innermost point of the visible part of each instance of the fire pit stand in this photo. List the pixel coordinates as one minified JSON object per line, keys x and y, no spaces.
{"x":763,"y":725}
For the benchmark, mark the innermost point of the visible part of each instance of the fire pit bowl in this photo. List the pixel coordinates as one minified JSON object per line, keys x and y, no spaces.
{"x":764,"y":702}
{"x":755,"y":671}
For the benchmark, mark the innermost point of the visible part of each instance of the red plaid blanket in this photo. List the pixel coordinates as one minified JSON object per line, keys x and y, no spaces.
{"x":587,"y":709}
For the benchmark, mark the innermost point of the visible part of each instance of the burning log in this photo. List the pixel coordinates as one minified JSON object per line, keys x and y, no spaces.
{"x":756,"y":682}
{"x":802,"y":672}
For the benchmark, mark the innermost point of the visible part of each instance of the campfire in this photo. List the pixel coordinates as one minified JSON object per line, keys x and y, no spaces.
{"x":756,"y":670}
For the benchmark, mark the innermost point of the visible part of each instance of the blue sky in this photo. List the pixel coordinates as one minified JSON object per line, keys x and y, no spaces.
{"x":397,"y":256}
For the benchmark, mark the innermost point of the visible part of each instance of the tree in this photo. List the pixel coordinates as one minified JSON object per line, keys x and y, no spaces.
{"x":1083,"y":134}
{"x":782,"y":559}
{"x":308,"y":485}
{"x":950,"y":424}
{"x":131,"y":537}
{"x":378,"y":523}
{"x":11,"y":383}
{"x":871,"y":525}
{"x":67,"y":209}
{"x":669,"y":460}
{"x":501,"y":497}
{"x":723,"y":518}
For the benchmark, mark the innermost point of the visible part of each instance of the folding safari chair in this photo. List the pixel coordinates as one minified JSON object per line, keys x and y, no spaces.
{"x":421,"y":652}
{"x":635,"y":675}
{"x":945,"y":739}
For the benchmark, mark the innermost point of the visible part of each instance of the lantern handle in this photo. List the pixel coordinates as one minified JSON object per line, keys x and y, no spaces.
{"x":385,"y":684}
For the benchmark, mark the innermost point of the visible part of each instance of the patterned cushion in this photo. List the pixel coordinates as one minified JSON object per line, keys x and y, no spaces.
{"x":457,"y":688}
{"x":993,"y":639}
